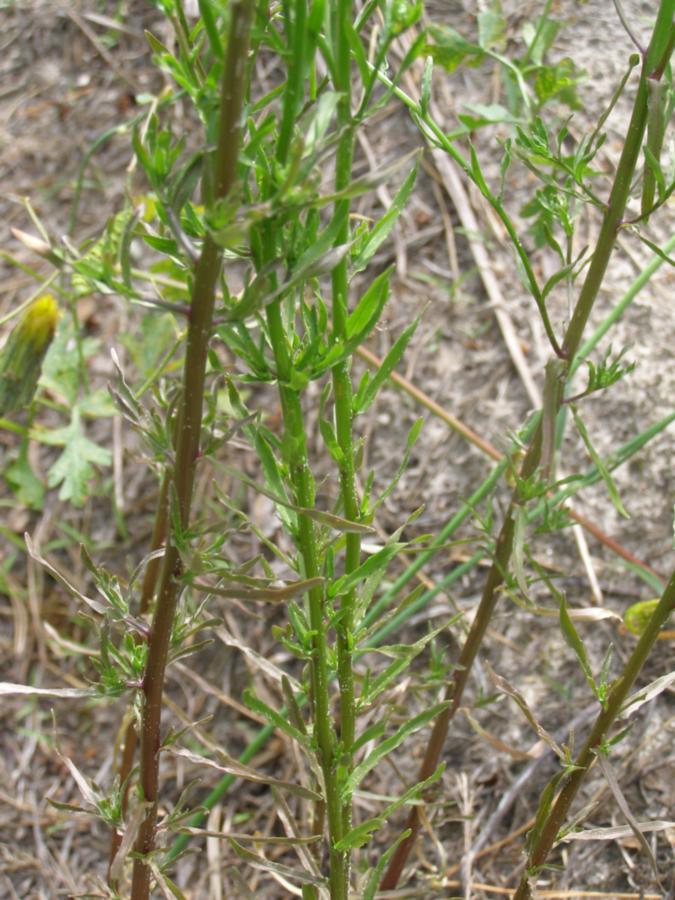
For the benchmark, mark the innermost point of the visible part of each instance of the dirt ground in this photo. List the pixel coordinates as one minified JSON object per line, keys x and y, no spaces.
{"x":69,"y":74}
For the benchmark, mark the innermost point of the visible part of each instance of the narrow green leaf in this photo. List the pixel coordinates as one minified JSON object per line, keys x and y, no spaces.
{"x":240,"y":770}
{"x":557,"y":277}
{"x":262,"y":594}
{"x":211,"y":28}
{"x":365,"y":396}
{"x":373,"y":564}
{"x":391,"y":672}
{"x":572,"y":638}
{"x":543,"y":810}
{"x":506,"y":688}
{"x":274,"y":717}
{"x":376,"y":873}
{"x":155,"y":44}
{"x":337,"y":523}
{"x":601,"y":467}
{"x":372,"y":733}
{"x":477,"y":173}
{"x":330,"y":440}
{"x":381,"y":231}
{"x":292,"y":704}
{"x":391,"y":743}
{"x":367,"y":311}
{"x":413,"y":434}
{"x":361,"y":834}
{"x":267,"y":865}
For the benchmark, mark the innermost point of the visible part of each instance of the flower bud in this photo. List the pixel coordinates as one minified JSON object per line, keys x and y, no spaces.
{"x":21,"y":357}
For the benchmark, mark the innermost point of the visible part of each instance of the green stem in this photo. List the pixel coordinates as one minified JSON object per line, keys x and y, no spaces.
{"x":655,"y":60}
{"x":295,"y":22}
{"x":187,"y":440}
{"x":342,"y":390}
{"x":303,"y":488}
{"x":550,"y":828}
{"x":301,"y":480}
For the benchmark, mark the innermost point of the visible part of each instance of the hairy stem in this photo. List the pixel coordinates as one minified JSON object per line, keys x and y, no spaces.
{"x":148,"y":588}
{"x":187,"y":440}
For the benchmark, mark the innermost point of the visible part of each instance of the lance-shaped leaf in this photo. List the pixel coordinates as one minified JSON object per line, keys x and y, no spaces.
{"x":337,"y":523}
{"x":274,"y":868}
{"x":239,"y":770}
{"x":504,"y":687}
{"x":391,"y":743}
{"x":361,"y":834}
{"x":369,"y":386}
{"x":380,"y":232}
{"x":275,"y":718}
{"x":622,"y":803}
{"x":600,"y":465}
{"x":7,"y":688}
{"x":263,"y":594}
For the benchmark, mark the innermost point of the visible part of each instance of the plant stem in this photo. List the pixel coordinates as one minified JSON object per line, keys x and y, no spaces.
{"x":342,"y":389}
{"x":655,"y":61}
{"x":148,"y":588}
{"x":300,"y":477}
{"x":303,"y":488}
{"x":188,"y":432}
{"x":555,"y":820}
{"x":295,"y":24}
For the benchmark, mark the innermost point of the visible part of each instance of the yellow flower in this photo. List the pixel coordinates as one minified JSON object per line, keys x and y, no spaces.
{"x":21,"y":357}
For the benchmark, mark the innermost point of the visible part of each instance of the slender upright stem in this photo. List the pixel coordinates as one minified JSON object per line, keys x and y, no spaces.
{"x":303,"y":488}
{"x":654,"y":63}
{"x":188,"y":432}
{"x":300,"y":475}
{"x":342,"y":387}
{"x":148,"y":588}
{"x":548,"y":833}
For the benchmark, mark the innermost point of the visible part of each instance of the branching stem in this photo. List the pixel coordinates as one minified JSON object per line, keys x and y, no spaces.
{"x":655,"y":61}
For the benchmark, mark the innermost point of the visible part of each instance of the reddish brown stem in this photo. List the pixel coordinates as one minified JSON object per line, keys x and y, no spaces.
{"x":148,"y":589}
{"x":189,"y":421}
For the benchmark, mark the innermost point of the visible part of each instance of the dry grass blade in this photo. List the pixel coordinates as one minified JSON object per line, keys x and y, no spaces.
{"x":622,"y":803}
